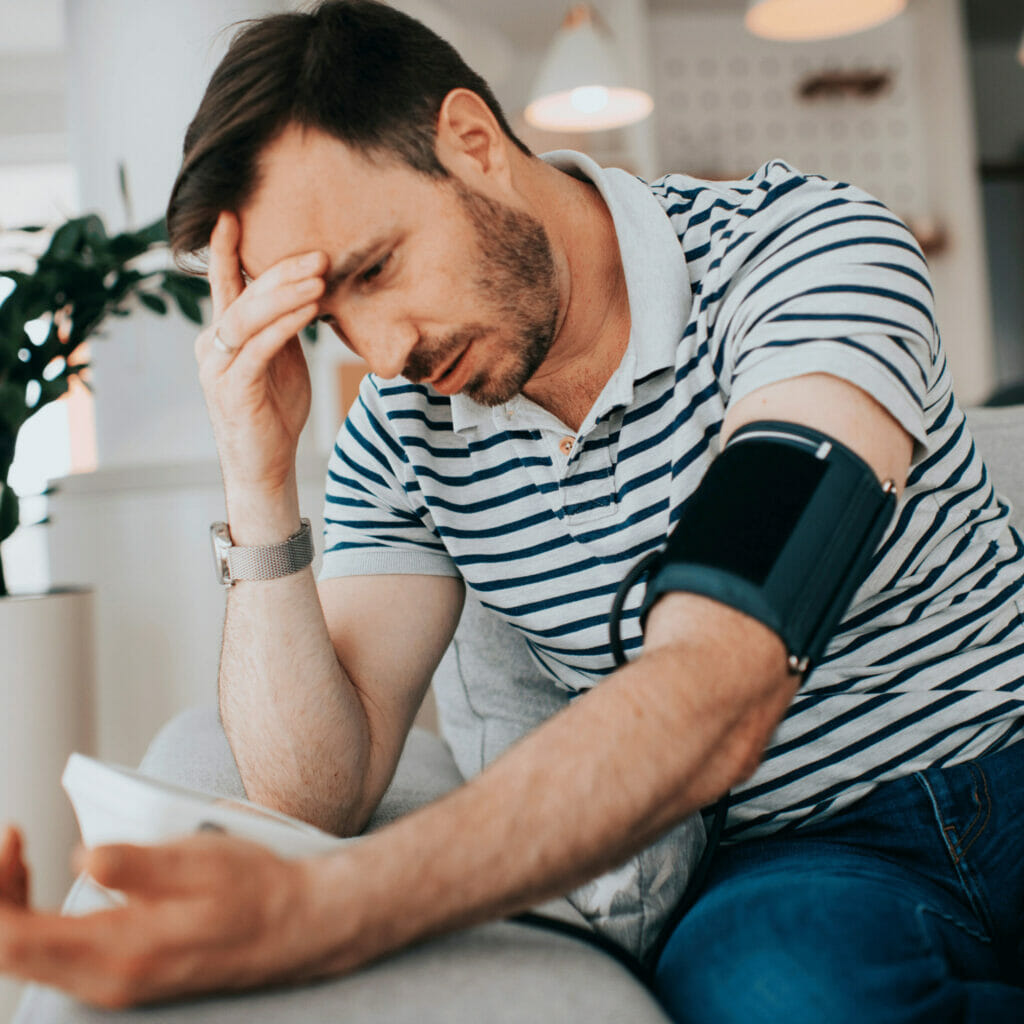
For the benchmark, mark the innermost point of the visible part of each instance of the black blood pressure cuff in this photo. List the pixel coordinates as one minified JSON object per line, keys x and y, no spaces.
{"x":782,"y":527}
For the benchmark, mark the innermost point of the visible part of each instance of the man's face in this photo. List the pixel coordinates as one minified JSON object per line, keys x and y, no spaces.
{"x":427,"y":278}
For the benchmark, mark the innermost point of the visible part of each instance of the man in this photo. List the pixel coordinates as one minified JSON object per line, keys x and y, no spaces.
{"x":560,"y":354}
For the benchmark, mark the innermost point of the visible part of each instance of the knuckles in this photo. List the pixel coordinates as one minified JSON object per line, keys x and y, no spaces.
{"x":14,"y":951}
{"x":123,"y":982}
{"x":202,"y":348}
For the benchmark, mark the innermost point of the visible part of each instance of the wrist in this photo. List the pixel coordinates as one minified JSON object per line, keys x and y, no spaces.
{"x":377,"y":895}
{"x":342,"y":914}
{"x":262,"y":515}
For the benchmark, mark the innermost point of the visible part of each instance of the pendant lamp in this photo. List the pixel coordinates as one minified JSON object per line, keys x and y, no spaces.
{"x":796,"y":20}
{"x":581,"y":86}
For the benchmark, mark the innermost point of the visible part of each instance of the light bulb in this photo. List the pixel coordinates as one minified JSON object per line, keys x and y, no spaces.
{"x":589,"y":99}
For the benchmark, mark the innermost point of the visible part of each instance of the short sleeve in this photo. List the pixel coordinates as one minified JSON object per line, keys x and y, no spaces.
{"x":825,"y":279}
{"x":375,"y":521}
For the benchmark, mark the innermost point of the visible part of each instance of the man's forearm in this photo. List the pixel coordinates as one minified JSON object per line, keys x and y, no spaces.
{"x":294,"y":721}
{"x":589,"y":788}
{"x":295,"y":724}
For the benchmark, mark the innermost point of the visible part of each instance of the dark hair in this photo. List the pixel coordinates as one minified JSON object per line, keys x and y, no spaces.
{"x":357,"y":70}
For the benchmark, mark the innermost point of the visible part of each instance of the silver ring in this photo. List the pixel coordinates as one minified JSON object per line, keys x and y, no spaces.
{"x":221,"y":345}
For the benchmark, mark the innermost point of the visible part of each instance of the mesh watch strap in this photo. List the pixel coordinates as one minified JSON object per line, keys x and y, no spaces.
{"x":260,"y":561}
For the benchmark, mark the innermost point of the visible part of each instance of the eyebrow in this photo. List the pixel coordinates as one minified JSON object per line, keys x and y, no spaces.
{"x":349,"y":266}
{"x":352,"y":264}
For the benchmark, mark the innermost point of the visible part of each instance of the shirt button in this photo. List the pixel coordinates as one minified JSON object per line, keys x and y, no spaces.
{"x":566,"y":445}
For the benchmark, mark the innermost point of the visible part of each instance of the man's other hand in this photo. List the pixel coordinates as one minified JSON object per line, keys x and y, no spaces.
{"x":207,"y":913}
{"x":14,"y":877}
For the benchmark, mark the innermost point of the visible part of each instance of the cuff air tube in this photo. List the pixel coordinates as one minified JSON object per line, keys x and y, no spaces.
{"x":782,"y":527}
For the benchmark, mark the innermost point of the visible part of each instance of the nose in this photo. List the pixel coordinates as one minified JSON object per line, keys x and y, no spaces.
{"x":383,"y":342}
{"x":389,"y":352}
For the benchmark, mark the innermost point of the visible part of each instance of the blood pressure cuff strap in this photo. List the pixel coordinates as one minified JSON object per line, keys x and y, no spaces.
{"x":783,"y":527}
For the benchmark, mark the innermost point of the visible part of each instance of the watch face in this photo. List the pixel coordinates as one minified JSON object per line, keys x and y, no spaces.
{"x":220,"y":537}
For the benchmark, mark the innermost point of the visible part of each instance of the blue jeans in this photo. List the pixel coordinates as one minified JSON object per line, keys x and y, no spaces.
{"x":907,"y":907}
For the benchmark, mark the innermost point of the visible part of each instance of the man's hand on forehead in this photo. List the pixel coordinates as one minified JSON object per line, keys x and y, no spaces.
{"x":296,"y":281}
{"x":251,"y":365}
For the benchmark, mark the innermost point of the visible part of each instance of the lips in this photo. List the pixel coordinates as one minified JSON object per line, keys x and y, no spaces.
{"x":449,"y":380}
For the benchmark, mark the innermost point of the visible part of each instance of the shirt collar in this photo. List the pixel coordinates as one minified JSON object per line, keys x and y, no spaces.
{"x":657,"y":284}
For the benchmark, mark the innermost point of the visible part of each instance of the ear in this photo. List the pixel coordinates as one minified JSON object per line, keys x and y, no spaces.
{"x":470,"y":142}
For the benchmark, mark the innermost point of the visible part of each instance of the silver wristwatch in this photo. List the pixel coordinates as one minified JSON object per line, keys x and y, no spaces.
{"x":260,"y":561}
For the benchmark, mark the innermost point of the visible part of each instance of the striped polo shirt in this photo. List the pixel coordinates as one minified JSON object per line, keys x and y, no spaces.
{"x":732,"y":286}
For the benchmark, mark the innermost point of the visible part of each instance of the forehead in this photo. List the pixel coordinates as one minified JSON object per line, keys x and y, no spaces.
{"x":316,"y":193}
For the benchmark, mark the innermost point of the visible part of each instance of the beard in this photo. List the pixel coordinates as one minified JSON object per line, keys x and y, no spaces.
{"x":516,"y":279}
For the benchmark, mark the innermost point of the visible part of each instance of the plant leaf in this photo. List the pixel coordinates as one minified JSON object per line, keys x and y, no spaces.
{"x":12,"y":411}
{"x":9,"y":511}
{"x":154,"y":302}
{"x":175,"y":281}
{"x":93,"y":230}
{"x":51,"y":390}
{"x":189,"y":307}
{"x":66,"y":240}
{"x":122,"y":183}
{"x":8,"y":439}
{"x":153,"y":234}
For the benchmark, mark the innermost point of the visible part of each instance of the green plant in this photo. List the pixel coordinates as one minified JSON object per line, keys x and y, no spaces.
{"x":84,"y":276}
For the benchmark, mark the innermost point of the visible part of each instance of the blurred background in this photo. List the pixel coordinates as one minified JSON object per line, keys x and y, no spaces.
{"x":925,"y":110}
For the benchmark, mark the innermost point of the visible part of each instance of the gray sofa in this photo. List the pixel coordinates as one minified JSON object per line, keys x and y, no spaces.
{"x":498,"y":973}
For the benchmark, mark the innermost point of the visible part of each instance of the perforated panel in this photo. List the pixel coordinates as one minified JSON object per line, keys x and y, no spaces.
{"x":728,"y":102}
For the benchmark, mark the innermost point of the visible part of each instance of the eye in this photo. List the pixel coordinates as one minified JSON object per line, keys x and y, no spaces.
{"x":368,"y":275}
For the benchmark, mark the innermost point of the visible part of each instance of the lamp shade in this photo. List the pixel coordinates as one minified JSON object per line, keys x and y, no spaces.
{"x":580,"y":85}
{"x":795,"y":20}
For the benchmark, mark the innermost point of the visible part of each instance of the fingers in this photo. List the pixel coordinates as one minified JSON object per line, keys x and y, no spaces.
{"x":293,"y":280}
{"x":255,"y":356}
{"x":262,"y":347}
{"x":207,"y":912}
{"x":100,"y":957}
{"x":145,"y":871}
{"x":285,"y":287}
{"x":242,"y":313}
{"x":225,"y":272}
{"x":10,"y":847}
{"x":14,"y":874}
{"x":177,"y":868}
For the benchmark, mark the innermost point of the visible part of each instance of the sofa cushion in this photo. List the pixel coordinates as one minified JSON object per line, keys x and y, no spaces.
{"x":999,"y":435}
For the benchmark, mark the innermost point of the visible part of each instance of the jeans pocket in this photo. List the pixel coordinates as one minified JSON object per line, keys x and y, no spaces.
{"x":962,"y":838}
{"x":961,"y":802}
